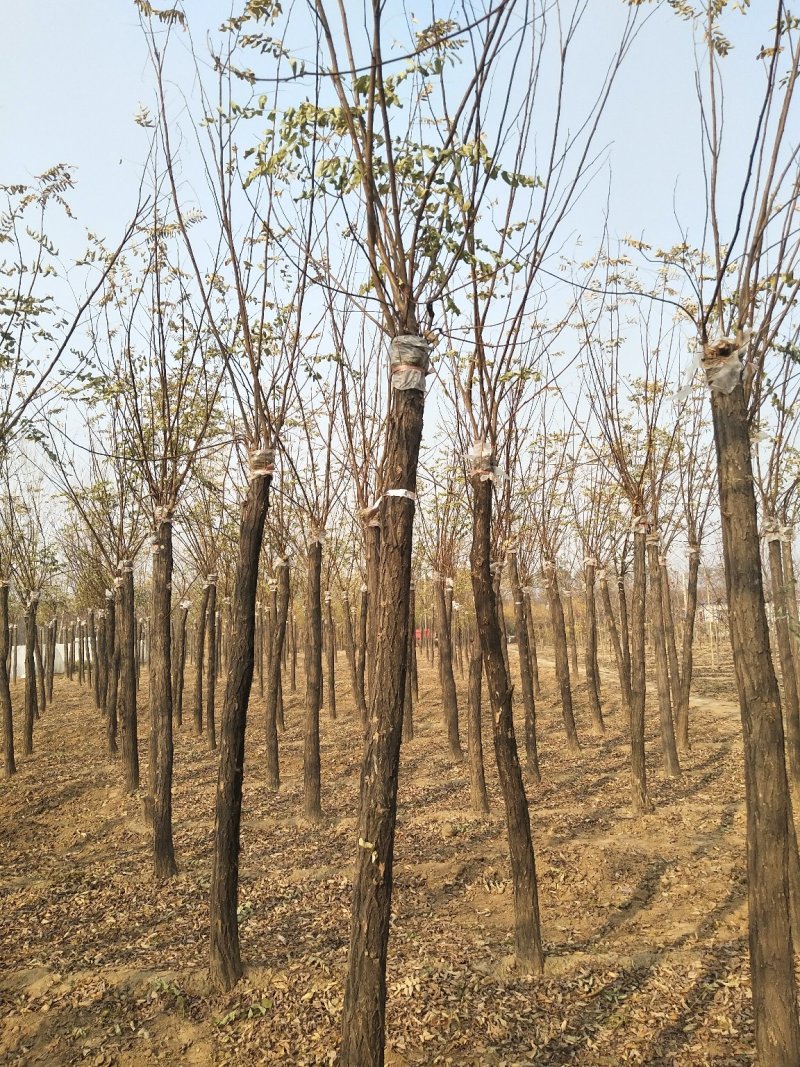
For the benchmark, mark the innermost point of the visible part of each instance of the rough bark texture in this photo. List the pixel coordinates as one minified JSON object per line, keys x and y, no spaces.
{"x":561,"y":657}
{"x":211,"y":680}
{"x":361,"y":652}
{"x":275,"y":650}
{"x":112,"y":694}
{"x":682,"y":713}
{"x":669,"y":636}
{"x":477,"y":777}
{"x":624,"y":627}
{"x":592,"y":667}
{"x":448,"y":681}
{"x":199,"y":661}
{"x":128,"y":717}
{"x":571,"y":639}
{"x":640,"y":800}
{"x":164,"y":865}
{"x":408,"y":704}
{"x":527,"y":933}
{"x":179,"y":667}
{"x":330,"y":650}
{"x":9,"y":761}
{"x":526,"y":674}
{"x":225,"y":957}
{"x":766,"y":786}
{"x":312,"y":786}
{"x":669,"y":751}
{"x":31,"y":702}
{"x":372,"y":536}
{"x":531,"y":628}
{"x":364,"y":1009}
{"x":791,"y":704}
{"x":623,"y":673}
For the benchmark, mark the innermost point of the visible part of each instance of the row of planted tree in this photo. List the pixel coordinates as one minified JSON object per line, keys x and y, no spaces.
{"x":244,"y":382}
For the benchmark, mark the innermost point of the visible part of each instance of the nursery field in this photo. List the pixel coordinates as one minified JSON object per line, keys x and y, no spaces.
{"x":644,"y":920}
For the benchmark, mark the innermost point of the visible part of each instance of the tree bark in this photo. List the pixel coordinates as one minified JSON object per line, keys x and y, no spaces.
{"x":766,"y":786}
{"x":623,"y":673}
{"x":312,"y":786}
{"x":669,"y":636}
{"x":448,"y":681}
{"x":211,"y":679}
{"x":408,"y":704}
{"x":31,"y":703}
{"x":571,"y":639}
{"x":9,"y":761}
{"x":669,"y":750}
{"x":179,"y":667}
{"x":791,"y":703}
{"x":372,"y":537}
{"x":363,"y":1015}
{"x":526,"y":675}
{"x":112,"y":694}
{"x":199,"y":660}
{"x":527,"y":934}
{"x":682,"y":715}
{"x":534,"y":658}
{"x":640,"y":800}
{"x":477,"y":776}
{"x":361,"y":652}
{"x":330,"y":657}
{"x":561,"y":656}
{"x":592,"y":666}
{"x":225,"y":954}
{"x":128,"y":715}
{"x":275,"y":650}
{"x":160,"y":665}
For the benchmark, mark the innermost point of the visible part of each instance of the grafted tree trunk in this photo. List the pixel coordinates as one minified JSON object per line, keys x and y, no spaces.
{"x":527,"y":934}
{"x":592,"y":666}
{"x":640,"y":800}
{"x":9,"y":761}
{"x":312,"y":786}
{"x":211,"y":680}
{"x":682,"y":714}
{"x":477,"y":777}
{"x":364,"y":1009}
{"x":561,"y":656}
{"x":669,"y":750}
{"x":448,"y":681}
{"x":766,"y":786}
{"x":275,"y":651}
{"x":128,"y":717}
{"x":199,"y":659}
{"x":164,"y":865}
{"x":526,"y":674}
{"x":225,"y":954}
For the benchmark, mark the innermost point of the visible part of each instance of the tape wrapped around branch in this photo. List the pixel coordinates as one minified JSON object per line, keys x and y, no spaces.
{"x":408,"y":362}
{"x":262,"y":463}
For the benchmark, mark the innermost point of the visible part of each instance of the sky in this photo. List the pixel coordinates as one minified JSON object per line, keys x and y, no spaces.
{"x":75,"y":72}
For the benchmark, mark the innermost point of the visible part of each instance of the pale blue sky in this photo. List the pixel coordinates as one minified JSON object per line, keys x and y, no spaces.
{"x":75,"y":71}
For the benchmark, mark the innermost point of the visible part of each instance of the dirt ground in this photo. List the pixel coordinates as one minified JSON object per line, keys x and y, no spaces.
{"x":644,"y":921}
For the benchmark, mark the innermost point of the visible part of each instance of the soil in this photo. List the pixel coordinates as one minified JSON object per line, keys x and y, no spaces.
{"x":644,"y":920}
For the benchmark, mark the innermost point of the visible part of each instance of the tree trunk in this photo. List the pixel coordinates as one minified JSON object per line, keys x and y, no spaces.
{"x":112,"y":694}
{"x":669,"y":636}
{"x":534,"y":658}
{"x":160,"y":665}
{"x":766,"y":787}
{"x":571,"y":639}
{"x":682,"y":716}
{"x":361,"y":652}
{"x":448,"y":681}
{"x":622,"y":673}
{"x":331,"y":657}
{"x":312,"y":787}
{"x":31,"y":705}
{"x":640,"y":799}
{"x":624,"y":628}
{"x":211,"y":679}
{"x":527,"y":934}
{"x":93,"y":654}
{"x":372,"y":536}
{"x":352,"y":659}
{"x":477,"y":777}
{"x":526,"y":675}
{"x":791,"y":704}
{"x":199,"y":659}
{"x":592,"y":666}
{"x":669,"y":753}
{"x":561,"y":656}
{"x":364,"y":1009}
{"x":179,"y":667}
{"x":408,"y":704}
{"x":9,"y":761}
{"x":274,"y":651}
{"x":128,"y":715}
{"x":225,"y":955}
